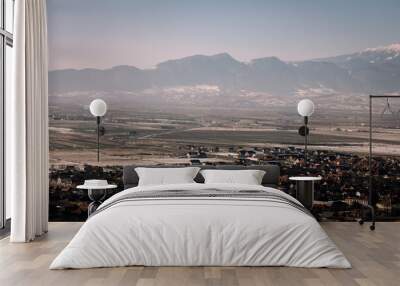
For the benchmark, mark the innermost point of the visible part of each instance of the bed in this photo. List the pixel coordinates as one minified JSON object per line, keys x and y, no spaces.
{"x":197,"y":224}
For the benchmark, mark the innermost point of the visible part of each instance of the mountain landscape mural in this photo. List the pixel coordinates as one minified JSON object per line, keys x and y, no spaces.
{"x":218,"y":82}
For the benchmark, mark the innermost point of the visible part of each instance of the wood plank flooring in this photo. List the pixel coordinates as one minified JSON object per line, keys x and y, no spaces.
{"x":375,"y":257}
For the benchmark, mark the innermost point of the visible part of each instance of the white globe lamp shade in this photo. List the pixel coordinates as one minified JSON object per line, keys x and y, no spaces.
{"x":305,"y":107}
{"x":98,"y":107}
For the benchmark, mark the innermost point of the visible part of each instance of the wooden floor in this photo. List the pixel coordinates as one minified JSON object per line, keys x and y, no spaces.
{"x":375,"y":257}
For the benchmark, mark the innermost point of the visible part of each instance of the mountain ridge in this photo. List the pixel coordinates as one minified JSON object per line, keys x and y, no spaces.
{"x":368,"y":71}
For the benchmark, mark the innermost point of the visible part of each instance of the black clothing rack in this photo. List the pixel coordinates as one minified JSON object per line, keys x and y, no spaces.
{"x":371,"y":97}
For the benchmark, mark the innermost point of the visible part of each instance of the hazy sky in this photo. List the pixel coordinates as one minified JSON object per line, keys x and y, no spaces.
{"x":105,"y":33}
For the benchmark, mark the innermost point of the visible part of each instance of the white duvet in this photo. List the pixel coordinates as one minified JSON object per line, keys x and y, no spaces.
{"x":193,"y":231}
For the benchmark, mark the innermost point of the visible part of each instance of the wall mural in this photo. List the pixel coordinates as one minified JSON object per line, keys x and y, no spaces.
{"x":211,"y":83}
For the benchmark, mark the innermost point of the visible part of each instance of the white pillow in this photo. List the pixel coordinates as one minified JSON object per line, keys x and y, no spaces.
{"x":165,"y":176}
{"x":248,"y":177}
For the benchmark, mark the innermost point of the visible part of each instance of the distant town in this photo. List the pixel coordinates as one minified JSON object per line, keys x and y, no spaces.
{"x":339,"y":196}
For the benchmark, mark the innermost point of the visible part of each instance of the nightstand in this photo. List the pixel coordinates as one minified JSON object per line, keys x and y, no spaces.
{"x":97,"y":191}
{"x":305,"y":189}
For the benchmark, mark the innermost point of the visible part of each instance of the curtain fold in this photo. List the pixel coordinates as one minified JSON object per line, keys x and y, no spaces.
{"x":28,"y":122}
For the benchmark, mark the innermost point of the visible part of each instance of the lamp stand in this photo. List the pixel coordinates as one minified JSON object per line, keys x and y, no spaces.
{"x":98,"y":138}
{"x":305,"y":139}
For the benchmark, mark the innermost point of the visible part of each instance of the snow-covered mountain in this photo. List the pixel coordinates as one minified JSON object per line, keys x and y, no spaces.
{"x":374,"y":70}
{"x":379,"y":55}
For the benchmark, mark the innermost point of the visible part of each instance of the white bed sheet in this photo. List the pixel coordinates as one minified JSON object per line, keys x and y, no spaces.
{"x":200,"y":232}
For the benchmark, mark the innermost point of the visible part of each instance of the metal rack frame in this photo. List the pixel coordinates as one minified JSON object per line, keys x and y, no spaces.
{"x":371,"y":97}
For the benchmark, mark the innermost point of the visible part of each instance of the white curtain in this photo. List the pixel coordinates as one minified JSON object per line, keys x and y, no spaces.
{"x":27,"y":123}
